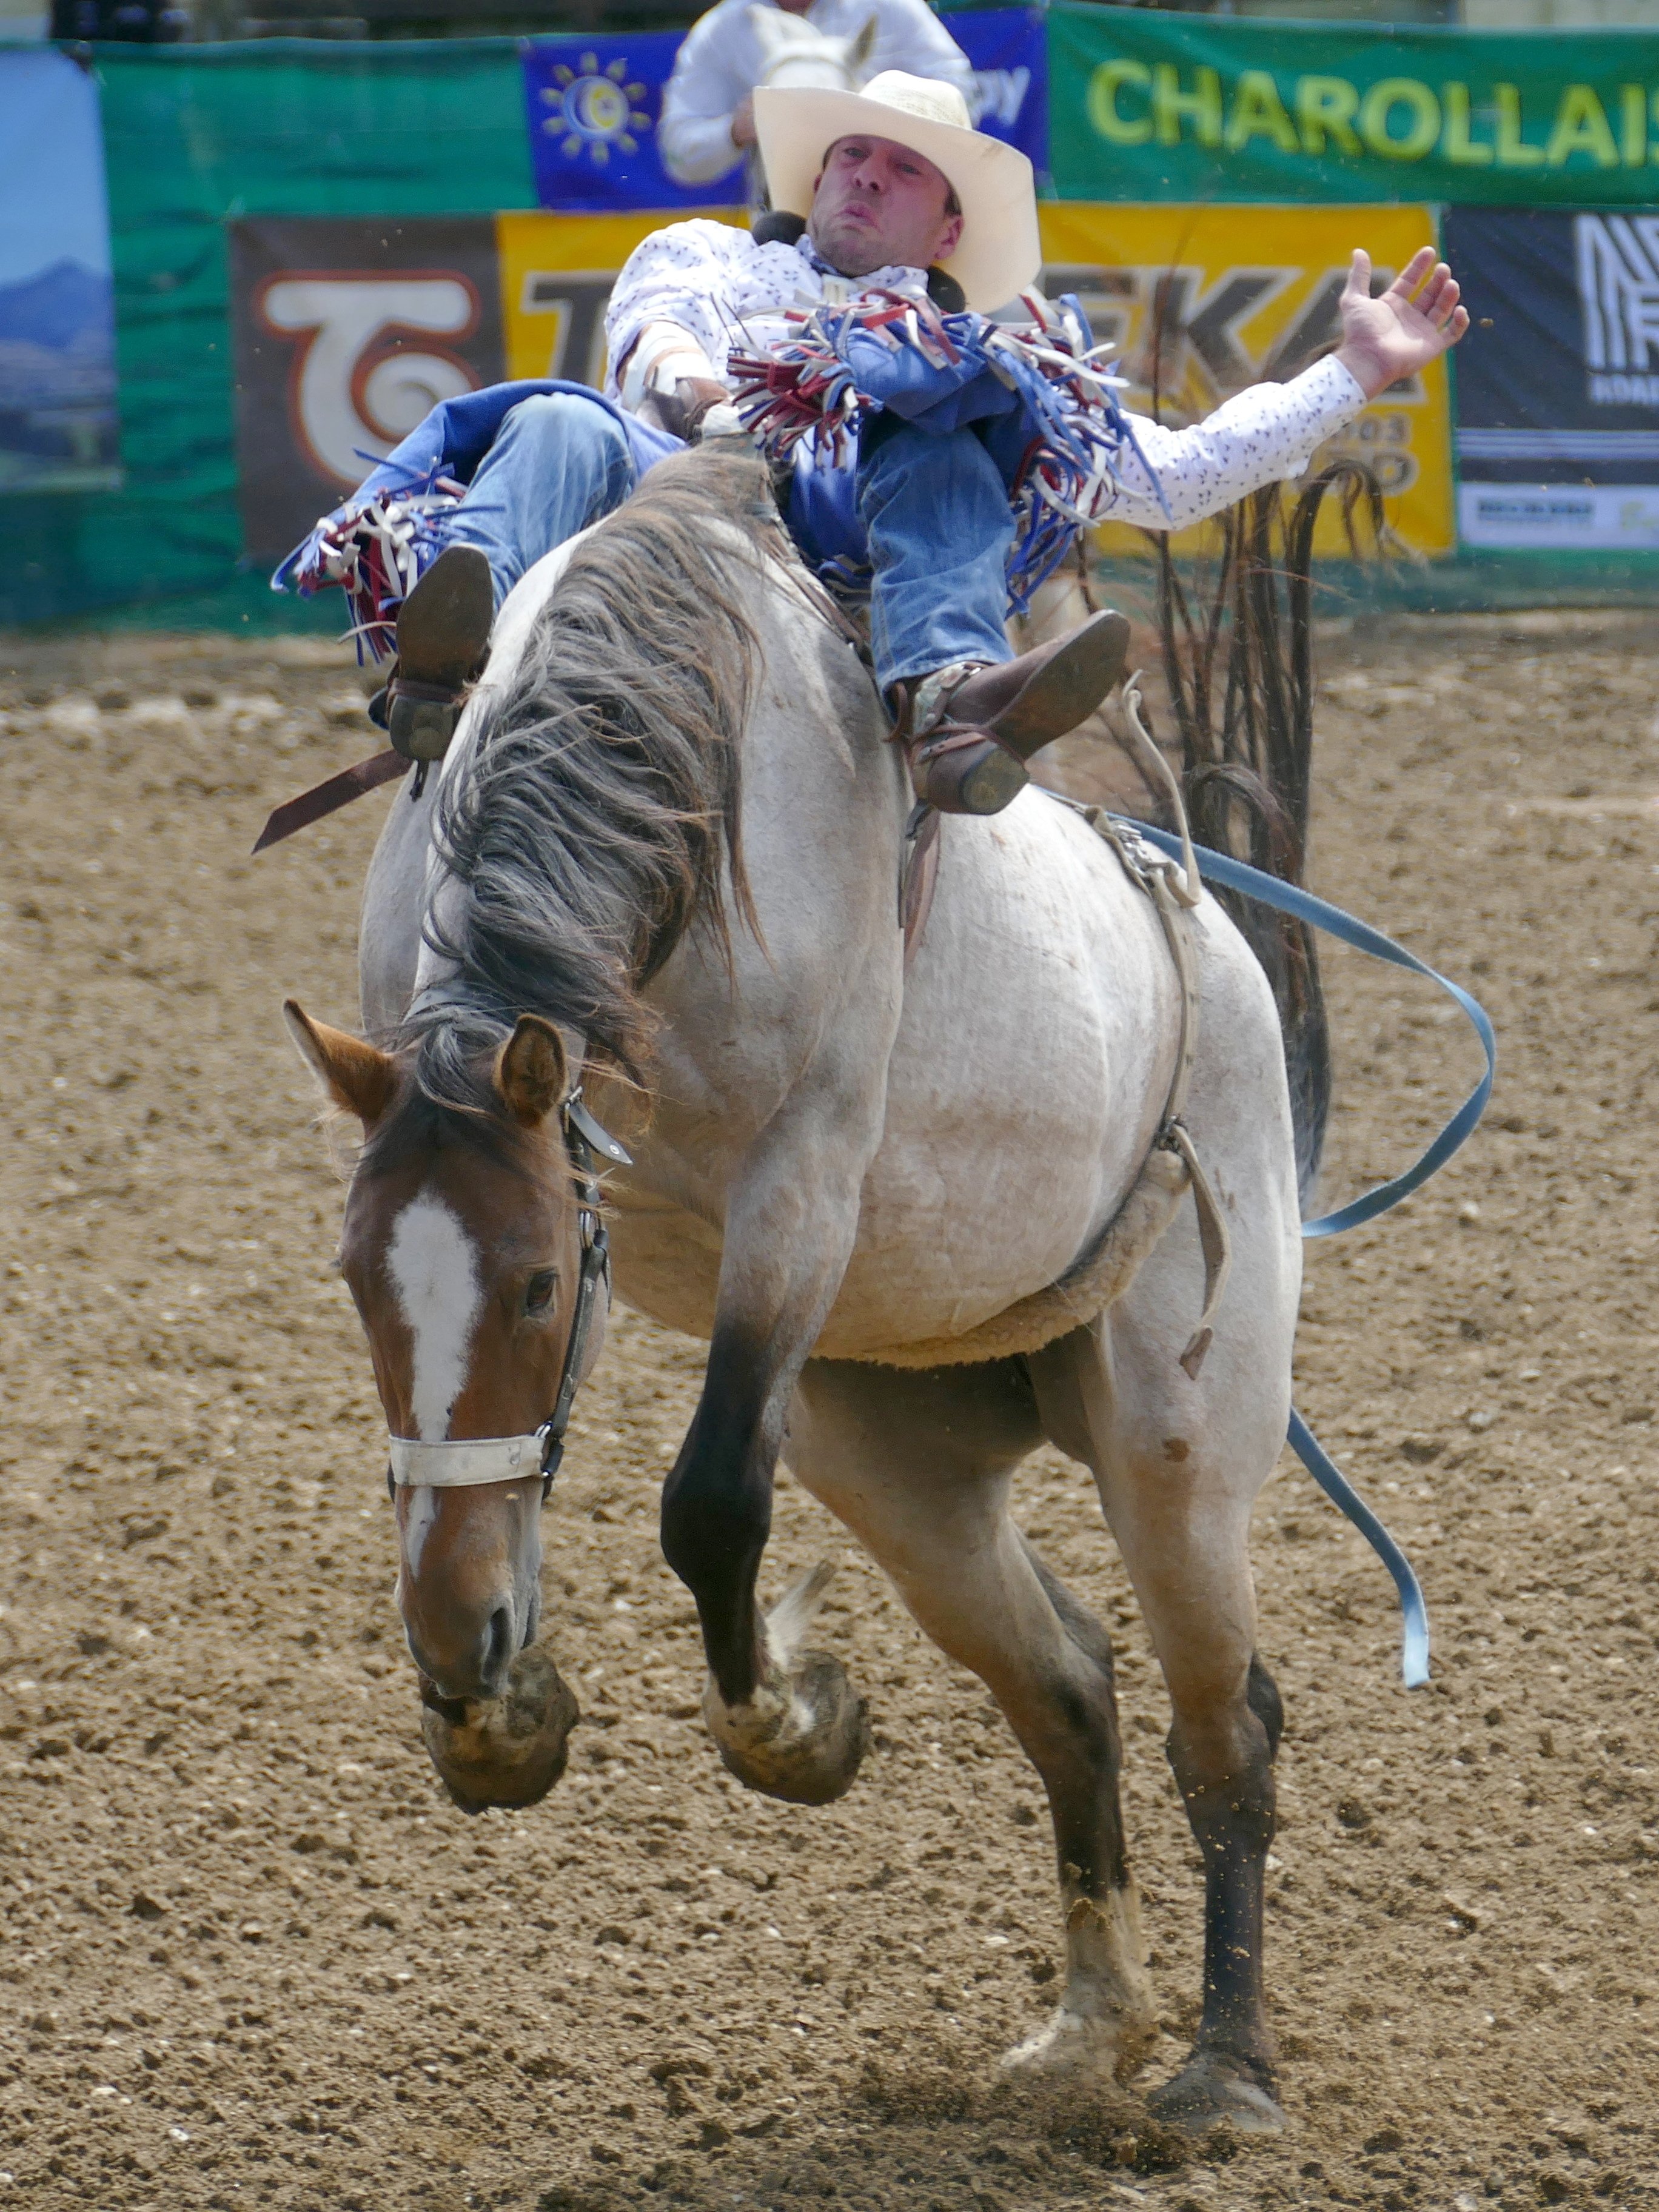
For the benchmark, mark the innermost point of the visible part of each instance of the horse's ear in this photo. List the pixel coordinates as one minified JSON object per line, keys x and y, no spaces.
{"x":864,"y":46}
{"x":531,"y":1074}
{"x":355,"y":1076}
{"x":771,"y":33}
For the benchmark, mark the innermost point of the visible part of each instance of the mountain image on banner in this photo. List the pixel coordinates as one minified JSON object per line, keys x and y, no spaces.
{"x":65,"y":308}
{"x":57,"y":418}
{"x":57,"y":405}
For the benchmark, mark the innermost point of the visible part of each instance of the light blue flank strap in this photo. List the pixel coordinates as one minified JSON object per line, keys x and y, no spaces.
{"x":1290,"y":898}
{"x":1414,"y":1616}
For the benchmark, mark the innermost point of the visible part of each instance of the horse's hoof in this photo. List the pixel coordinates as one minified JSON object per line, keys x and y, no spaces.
{"x":507,"y":1751}
{"x":802,"y":1737}
{"x":1209,"y":2089}
{"x":1077,"y":2046}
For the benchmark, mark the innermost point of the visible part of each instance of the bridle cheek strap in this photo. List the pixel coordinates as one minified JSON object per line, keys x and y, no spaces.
{"x":462,"y":1463}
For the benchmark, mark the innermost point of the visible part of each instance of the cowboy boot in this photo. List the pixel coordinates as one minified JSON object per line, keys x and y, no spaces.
{"x":970,"y":729}
{"x":443,"y":635}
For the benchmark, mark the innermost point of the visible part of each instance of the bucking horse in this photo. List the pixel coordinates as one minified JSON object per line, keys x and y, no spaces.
{"x":648,"y":910}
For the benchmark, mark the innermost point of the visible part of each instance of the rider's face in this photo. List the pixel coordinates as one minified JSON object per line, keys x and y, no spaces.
{"x":877,"y":205}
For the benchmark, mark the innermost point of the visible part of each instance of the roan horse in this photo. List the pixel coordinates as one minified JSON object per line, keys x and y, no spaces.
{"x":661,"y":860}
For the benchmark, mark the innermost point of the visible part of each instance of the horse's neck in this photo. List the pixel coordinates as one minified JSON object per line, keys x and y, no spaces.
{"x":816,"y":722}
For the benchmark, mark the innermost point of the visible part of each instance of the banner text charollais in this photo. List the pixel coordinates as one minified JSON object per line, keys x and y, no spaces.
{"x":1396,"y":119}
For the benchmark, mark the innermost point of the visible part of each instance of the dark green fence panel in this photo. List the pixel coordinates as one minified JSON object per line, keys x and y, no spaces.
{"x":194,"y":136}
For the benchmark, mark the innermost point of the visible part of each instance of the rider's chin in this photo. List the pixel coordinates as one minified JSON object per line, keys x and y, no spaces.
{"x":857,"y":252}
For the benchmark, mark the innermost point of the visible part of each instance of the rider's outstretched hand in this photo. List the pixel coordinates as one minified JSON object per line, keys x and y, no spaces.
{"x":1416,"y":319}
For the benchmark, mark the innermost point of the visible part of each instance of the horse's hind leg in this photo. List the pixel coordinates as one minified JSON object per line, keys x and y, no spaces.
{"x":1178,"y":1466}
{"x":918,"y":1466}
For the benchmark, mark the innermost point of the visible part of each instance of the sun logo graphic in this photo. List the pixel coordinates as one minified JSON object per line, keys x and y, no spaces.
{"x":595,"y":111}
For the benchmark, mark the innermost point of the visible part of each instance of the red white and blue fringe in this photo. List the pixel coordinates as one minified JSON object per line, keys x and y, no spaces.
{"x":377,"y":549}
{"x":1079,"y":432}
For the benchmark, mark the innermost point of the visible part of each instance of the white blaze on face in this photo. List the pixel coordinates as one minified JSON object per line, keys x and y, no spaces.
{"x":433,"y":1267}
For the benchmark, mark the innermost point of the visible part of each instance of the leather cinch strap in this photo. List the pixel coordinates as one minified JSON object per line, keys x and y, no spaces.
{"x":1175,"y":890}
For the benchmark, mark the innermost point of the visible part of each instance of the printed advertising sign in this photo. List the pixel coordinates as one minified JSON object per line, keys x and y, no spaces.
{"x":58,"y":431}
{"x":1202,"y":301}
{"x":1558,"y":380}
{"x":594,"y":105}
{"x":1152,"y":104}
{"x":347,"y":332}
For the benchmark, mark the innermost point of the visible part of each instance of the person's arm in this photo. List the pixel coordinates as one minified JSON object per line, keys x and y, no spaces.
{"x":1262,"y":435}
{"x":664,"y":330}
{"x":701,"y":103}
{"x":1270,"y":433}
{"x":677,"y":276}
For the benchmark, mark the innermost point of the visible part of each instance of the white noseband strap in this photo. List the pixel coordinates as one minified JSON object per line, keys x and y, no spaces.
{"x":459,"y":1466}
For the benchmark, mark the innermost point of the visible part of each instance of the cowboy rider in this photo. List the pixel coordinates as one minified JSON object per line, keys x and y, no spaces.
{"x":891,"y":190}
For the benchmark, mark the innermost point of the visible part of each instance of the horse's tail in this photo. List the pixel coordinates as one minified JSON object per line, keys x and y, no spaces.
{"x":1239,"y":664}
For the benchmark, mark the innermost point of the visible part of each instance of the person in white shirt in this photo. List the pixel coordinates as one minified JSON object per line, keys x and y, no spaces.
{"x":708,"y":123}
{"x":894,"y":194}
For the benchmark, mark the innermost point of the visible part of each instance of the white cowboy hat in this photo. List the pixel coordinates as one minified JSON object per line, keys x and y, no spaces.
{"x":999,"y":252}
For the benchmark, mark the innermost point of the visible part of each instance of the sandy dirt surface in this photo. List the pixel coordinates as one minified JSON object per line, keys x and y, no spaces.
{"x":250,"y":1956}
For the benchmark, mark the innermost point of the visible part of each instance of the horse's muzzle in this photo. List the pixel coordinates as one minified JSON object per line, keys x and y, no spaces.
{"x":508,"y":1750}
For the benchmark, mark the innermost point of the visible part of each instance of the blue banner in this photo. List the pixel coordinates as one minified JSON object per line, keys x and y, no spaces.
{"x":594,"y":105}
{"x":1009,"y":54}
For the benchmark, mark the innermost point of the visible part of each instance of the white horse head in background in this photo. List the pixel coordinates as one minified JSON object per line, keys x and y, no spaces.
{"x":799,"y":57}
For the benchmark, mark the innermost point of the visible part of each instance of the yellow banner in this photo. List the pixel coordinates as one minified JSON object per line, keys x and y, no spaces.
{"x":556,"y":274}
{"x":1201,"y":301}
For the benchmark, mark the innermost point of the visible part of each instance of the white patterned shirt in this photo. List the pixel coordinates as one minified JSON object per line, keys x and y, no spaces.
{"x":712,"y":282}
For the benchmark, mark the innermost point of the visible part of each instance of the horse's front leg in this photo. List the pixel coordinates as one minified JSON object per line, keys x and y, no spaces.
{"x":785,"y":1719}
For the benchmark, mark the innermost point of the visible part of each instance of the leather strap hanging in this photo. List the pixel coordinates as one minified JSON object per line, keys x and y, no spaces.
{"x":330,"y":795}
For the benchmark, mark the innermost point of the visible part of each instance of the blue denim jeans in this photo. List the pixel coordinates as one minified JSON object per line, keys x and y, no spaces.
{"x":558,"y":463}
{"x":934,"y":510}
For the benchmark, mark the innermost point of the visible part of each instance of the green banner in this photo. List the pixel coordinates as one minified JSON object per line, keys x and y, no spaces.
{"x":1150,"y":106}
{"x":194,"y":137}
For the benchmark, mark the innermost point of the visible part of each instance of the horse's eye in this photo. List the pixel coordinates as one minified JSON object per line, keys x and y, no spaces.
{"x":538,"y":1291}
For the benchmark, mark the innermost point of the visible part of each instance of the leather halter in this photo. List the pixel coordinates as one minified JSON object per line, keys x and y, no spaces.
{"x":466,"y":1461}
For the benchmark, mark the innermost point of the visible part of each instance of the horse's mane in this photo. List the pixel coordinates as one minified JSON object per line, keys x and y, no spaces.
{"x":597,"y":811}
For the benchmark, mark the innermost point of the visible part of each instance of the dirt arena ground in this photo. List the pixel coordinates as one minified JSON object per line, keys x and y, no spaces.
{"x":250,"y":1956}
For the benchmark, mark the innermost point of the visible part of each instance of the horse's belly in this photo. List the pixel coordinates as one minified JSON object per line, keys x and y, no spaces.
{"x":1029,"y":1073}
